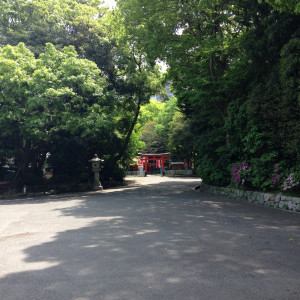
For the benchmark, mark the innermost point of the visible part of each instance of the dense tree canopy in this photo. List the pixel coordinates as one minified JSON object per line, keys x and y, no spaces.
{"x":234,"y":67}
{"x":56,"y":95}
{"x":88,"y":102}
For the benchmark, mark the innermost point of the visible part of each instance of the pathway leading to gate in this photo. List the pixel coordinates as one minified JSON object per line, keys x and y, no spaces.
{"x":155,"y":239}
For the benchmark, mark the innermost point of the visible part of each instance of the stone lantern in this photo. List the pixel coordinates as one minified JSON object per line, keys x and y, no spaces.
{"x":96,"y":168}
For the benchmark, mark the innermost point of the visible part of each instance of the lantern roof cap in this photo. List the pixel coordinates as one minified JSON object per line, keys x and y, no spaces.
{"x":96,"y":159}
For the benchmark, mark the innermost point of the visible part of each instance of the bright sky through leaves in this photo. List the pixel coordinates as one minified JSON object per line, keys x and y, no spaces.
{"x":110,"y":3}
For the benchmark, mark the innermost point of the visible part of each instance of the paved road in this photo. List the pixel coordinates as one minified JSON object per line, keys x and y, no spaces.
{"x":158,"y":239}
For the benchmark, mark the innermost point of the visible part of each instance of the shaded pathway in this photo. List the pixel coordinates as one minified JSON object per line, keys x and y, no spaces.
{"x":157,"y":239}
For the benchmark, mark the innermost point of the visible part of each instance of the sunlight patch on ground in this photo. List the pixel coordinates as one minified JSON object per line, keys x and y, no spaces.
{"x":174,"y":280}
{"x":146,"y":231}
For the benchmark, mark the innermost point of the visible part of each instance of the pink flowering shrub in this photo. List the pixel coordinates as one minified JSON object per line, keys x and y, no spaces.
{"x":290,"y":182}
{"x":241,"y":173}
{"x":281,"y":179}
{"x":285,"y":180}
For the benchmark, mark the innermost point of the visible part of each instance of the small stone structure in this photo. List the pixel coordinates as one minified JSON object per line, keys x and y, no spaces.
{"x":96,"y":168}
{"x":266,"y":199}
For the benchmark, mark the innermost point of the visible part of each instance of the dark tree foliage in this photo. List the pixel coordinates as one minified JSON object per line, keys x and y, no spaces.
{"x":107,"y":125}
{"x":234,"y":67}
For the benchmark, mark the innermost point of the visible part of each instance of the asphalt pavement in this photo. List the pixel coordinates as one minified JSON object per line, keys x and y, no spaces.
{"x":157,"y":238}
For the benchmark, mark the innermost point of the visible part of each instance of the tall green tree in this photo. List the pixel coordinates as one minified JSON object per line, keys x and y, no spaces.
{"x":56,"y":95}
{"x":136,"y":78}
{"x":199,"y":40}
{"x":97,"y":35}
{"x":234,"y":69}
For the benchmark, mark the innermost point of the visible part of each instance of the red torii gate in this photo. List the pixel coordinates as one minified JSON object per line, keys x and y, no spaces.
{"x":162,"y":157}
